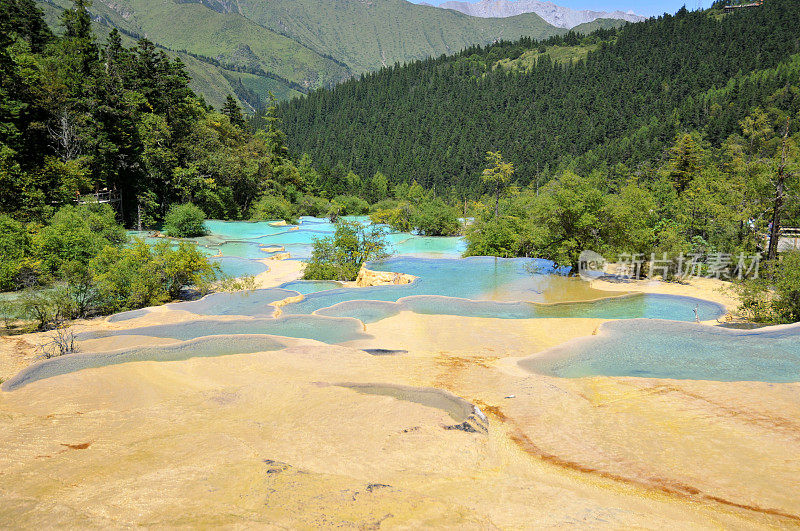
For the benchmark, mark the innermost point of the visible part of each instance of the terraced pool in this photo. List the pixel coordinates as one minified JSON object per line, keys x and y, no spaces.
{"x":682,"y":351}
{"x":646,"y":338}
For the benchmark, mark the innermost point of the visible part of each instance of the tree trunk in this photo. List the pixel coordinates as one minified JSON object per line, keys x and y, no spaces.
{"x":774,"y":233}
{"x":497,"y":204}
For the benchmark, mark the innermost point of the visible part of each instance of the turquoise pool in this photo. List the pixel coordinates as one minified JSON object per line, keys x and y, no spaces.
{"x":204,"y":347}
{"x":324,"y":329}
{"x":247,"y":240}
{"x":493,"y":287}
{"x":682,"y":351}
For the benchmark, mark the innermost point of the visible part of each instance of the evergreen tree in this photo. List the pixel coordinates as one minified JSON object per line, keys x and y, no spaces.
{"x":232,"y":110}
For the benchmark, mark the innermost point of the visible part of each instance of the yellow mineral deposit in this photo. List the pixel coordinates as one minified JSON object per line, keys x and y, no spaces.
{"x":316,"y":435}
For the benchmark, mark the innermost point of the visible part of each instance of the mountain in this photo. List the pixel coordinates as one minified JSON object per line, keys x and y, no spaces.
{"x":368,"y":34}
{"x":617,"y":95}
{"x":249,"y":47}
{"x":560,"y":17}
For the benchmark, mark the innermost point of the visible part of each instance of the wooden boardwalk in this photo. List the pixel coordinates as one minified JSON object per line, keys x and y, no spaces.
{"x":106,"y":196}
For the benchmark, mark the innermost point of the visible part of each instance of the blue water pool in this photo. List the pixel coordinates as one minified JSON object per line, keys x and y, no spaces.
{"x":518,"y":288}
{"x":325,"y":329}
{"x":235,"y":241}
{"x":684,"y":351}
{"x":626,"y":307}
{"x":239,"y":267}
{"x":311,"y":286}
{"x":255,"y":303}
{"x":204,"y":347}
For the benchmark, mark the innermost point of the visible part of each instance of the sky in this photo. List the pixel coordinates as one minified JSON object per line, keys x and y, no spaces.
{"x":645,"y":7}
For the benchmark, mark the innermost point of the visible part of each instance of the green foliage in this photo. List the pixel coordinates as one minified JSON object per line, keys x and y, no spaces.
{"x":310,"y":205}
{"x":76,"y":234}
{"x":496,"y":236}
{"x":45,"y":307}
{"x":185,"y":221}
{"x":141,"y":275}
{"x":348,"y":205}
{"x":15,"y":243}
{"x":272,"y":208}
{"x":428,"y":218}
{"x":340,"y":257}
{"x":497,"y":176}
{"x":625,"y":102}
{"x":566,"y":219}
{"x":399,"y":215}
{"x":232,"y":110}
{"x":774,"y":297}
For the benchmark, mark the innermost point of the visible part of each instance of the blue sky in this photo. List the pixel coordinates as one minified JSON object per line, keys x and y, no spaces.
{"x":646,"y":7}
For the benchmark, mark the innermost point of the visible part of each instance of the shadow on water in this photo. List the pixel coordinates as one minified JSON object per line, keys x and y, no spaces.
{"x":467,"y":416}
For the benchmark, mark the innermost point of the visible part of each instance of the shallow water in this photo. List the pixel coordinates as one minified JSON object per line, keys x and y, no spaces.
{"x":247,"y":239}
{"x":239,"y":267}
{"x":311,"y":286}
{"x":683,"y":351}
{"x":627,"y":307}
{"x":254,"y":303}
{"x":324,"y":329}
{"x":493,"y":287}
{"x":204,"y":347}
{"x":458,"y":408}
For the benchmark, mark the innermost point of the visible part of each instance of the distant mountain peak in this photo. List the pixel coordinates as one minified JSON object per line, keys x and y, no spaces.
{"x":561,"y":17}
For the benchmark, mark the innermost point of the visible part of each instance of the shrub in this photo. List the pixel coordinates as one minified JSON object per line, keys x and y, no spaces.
{"x":386,"y":204}
{"x":14,"y":251}
{"x":399,"y":218}
{"x":351,"y":205}
{"x":493,"y":237}
{"x":141,"y":275}
{"x":775,"y":297}
{"x":185,"y":221}
{"x":76,"y":234}
{"x":273,"y":208}
{"x":340,"y":257}
{"x":47,"y":307}
{"x":313,"y":206}
{"x":435,"y":218}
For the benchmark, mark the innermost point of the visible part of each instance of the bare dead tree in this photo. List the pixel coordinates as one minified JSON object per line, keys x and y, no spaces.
{"x":58,"y":342}
{"x":64,"y":135}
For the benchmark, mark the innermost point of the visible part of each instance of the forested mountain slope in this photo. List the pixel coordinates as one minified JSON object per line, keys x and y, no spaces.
{"x":209,"y":78}
{"x":434,"y":120}
{"x":368,"y":35}
{"x":294,"y":46}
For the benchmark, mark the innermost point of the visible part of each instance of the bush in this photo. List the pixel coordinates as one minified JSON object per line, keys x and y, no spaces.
{"x":185,"y":221}
{"x":139,"y":276}
{"x":15,"y":245}
{"x":341,"y":256}
{"x":47,"y":307}
{"x":351,"y":205}
{"x":76,"y":234}
{"x":493,"y":237}
{"x":386,"y":204}
{"x":313,"y":206}
{"x":273,"y":208}
{"x":775,"y":297}
{"x":399,"y":218}
{"x":435,"y":218}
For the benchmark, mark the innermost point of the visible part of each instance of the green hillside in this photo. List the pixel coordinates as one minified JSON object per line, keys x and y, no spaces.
{"x":228,"y":38}
{"x":291,"y":47}
{"x":208,"y":78}
{"x":368,"y":35}
{"x":614,"y":96}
